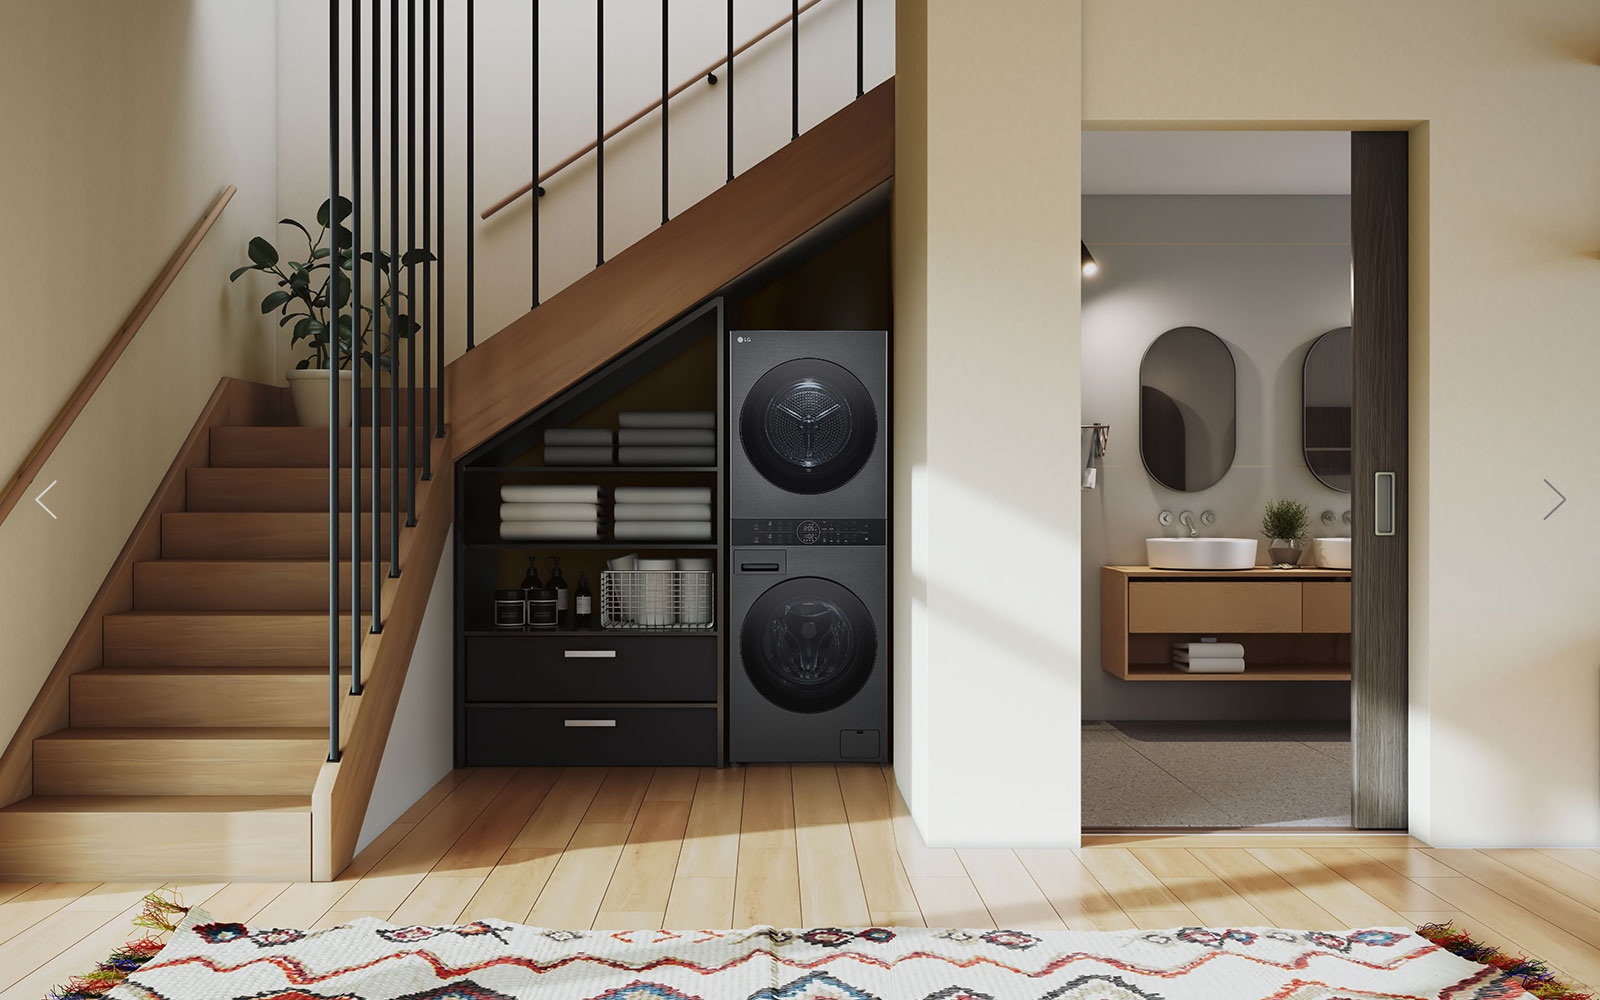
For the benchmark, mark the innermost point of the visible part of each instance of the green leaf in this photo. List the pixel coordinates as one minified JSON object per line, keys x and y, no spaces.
{"x":304,"y":364}
{"x":416,"y":255}
{"x":341,"y":289}
{"x":317,"y":331}
{"x":241,"y":270}
{"x":344,"y":237}
{"x":303,"y":229}
{"x":289,"y":317}
{"x":264,"y":254}
{"x":344,"y":210}
{"x":319,"y":253}
{"x":300,"y":280}
{"x":302,"y":330}
{"x":273,"y":301}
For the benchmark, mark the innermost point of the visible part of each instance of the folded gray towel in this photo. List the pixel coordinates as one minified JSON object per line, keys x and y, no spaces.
{"x":581,"y":436}
{"x":553,"y":493}
{"x":1209,"y":648}
{"x":569,"y":455}
{"x":667,"y":436}
{"x":663,"y":512}
{"x":668,"y":418}
{"x":666,"y":456}
{"x":668,"y":531}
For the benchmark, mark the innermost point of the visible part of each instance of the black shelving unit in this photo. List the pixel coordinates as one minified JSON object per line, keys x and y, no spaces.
{"x":601,"y":697}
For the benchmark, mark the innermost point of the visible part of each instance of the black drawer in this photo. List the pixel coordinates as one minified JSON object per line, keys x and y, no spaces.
{"x":514,"y":736}
{"x":591,"y":668}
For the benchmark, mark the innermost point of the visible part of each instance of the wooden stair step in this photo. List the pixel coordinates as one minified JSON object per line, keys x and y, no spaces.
{"x":258,"y":447}
{"x":179,"y":761}
{"x":243,"y":585}
{"x":205,"y":638}
{"x":283,"y":489}
{"x":119,"y":838}
{"x":232,"y":535}
{"x":202,"y":696}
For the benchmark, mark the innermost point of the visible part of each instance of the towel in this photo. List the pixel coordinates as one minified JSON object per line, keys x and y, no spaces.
{"x":662,"y":494}
{"x":663,"y":512}
{"x":663,"y":456}
{"x":549,"y":530}
{"x":676,"y":531}
{"x":667,"y":436}
{"x":1212,"y":665}
{"x":704,"y":419}
{"x":549,"y":512}
{"x":569,"y":455}
{"x":582,"y":436}
{"x":550,"y":494}
{"x":1208,"y":649}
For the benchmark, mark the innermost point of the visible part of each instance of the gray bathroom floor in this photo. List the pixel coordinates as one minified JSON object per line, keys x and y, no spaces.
{"x":1215,"y":774}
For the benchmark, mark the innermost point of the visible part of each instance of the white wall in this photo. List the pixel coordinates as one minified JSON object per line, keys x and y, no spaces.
{"x":632,"y":160}
{"x":1267,"y":274}
{"x":421,"y":745}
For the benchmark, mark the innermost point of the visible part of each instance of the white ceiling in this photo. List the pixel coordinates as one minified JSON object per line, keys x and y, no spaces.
{"x":1216,"y":163}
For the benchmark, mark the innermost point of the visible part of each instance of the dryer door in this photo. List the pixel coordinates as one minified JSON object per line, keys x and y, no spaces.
{"x":808,"y":426}
{"x":808,"y":645}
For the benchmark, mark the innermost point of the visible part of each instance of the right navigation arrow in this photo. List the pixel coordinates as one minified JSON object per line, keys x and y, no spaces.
{"x":1558,"y":493}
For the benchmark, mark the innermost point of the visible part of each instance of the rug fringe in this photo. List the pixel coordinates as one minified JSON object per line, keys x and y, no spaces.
{"x":161,"y":912}
{"x":1534,"y":975}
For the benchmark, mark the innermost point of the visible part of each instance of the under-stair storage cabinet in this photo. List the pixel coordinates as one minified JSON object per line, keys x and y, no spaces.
{"x":644,"y":685}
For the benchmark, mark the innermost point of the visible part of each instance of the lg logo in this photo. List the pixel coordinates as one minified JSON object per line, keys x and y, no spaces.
{"x":744,"y":340}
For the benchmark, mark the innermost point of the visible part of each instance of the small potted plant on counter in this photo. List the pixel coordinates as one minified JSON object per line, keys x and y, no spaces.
{"x":1285,"y":523}
{"x":307,"y":289}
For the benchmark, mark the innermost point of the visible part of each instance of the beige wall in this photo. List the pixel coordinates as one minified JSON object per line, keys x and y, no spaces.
{"x":986,"y":383}
{"x":1500,"y":100}
{"x":122,"y":122}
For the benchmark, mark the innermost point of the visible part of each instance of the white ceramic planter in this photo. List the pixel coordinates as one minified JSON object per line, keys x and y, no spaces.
{"x":308,"y":387}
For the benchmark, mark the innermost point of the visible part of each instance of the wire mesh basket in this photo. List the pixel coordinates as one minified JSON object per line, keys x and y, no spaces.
{"x":657,"y":599}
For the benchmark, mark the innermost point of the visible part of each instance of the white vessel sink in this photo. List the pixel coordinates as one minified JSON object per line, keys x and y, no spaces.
{"x":1200,"y":553}
{"x":1333,"y":553}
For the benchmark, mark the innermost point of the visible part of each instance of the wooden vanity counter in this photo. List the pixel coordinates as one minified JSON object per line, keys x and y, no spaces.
{"x":1294,"y":623}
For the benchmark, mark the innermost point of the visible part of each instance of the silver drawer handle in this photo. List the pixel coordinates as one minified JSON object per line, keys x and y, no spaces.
{"x":591,"y":723}
{"x":590,"y":654}
{"x":1383,"y":496}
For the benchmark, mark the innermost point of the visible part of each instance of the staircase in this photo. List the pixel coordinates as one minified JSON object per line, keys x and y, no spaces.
{"x":193,"y":750}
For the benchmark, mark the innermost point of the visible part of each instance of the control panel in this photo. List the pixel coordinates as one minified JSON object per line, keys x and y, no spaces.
{"x":810,"y":531}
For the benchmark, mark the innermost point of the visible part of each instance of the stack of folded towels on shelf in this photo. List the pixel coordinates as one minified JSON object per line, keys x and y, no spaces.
{"x":662,"y":513}
{"x":550,"y":513}
{"x":578,"y":446}
{"x":1208,"y":657}
{"x":667,"y":438}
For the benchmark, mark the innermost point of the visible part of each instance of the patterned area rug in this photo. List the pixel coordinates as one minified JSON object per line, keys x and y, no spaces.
{"x":490,"y":960}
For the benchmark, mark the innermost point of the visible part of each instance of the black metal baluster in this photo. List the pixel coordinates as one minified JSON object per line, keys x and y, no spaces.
{"x":394,"y":287}
{"x":427,"y":244}
{"x":794,"y":70}
{"x":375,"y":338}
{"x":333,"y":389}
{"x":599,"y":133}
{"x":355,"y":336}
{"x":533,"y":127}
{"x":730,"y":89}
{"x":411,"y":267}
{"x":471,"y":128}
{"x":438,"y":333}
{"x":664,"y":26}
{"x":860,"y":47}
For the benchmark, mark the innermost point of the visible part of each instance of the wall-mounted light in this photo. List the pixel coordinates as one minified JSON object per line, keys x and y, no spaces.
{"x":1090,"y":265}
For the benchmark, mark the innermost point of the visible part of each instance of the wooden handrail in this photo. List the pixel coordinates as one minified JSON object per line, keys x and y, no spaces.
{"x":636,"y":116}
{"x":102,"y":366}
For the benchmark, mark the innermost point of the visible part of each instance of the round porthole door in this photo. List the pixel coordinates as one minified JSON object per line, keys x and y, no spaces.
{"x":808,"y":426}
{"x":808,"y":645}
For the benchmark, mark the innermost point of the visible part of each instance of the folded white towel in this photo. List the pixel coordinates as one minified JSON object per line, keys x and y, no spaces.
{"x":674,"y":531}
{"x":571,"y":455}
{"x":582,"y":436}
{"x":549,"y":512}
{"x":549,"y":530}
{"x":1209,"y":648}
{"x":663,"y":512}
{"x":668,"y":418}
{"x":662,"y":494}
{"x":666,"y":436}
{"x":665,"y":456}
{"x":1212,"y":665}
{"x":550,"y":494}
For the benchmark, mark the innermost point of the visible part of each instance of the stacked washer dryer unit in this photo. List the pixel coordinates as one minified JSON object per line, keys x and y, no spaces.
{"x":808,"y":496}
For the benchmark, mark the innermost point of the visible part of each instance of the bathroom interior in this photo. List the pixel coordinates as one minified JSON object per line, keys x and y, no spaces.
{"x":1217,"y":377}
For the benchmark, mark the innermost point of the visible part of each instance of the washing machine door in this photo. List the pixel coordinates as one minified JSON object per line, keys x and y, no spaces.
{"x":808,"y":426}
{"x":808,"y":645}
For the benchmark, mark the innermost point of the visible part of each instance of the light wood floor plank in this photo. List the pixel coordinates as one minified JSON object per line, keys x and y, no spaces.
{"x":1130,"y":883}
{"x":437,"y":901}
{"x":768,"y":880}
{"x":673,"y":784}
{"x":1350,"y":905}
{"x":831,"y":891}
{"x":642,"y":883}
{"x":1580,"y":887}
{"x":514,"y":886}
{"x":700,"y":903}
{"x":1009,"y":893}
{"x":483,"y":843}
{"x":1552,"y":904}
{"x":1377,"y":879}
{"x":1539,"y":936}
{"x":1281,"y":903}
{"x":1578,"y":859}
{"x":34,"y":962}
{"x":572,"y":896}
{"x":948,"y":901}
{"x":890,"y":900}
{"x":32,"y":905}
{"x":1408,"y":861}
{"x":1168,"y":862}
{"x":920,"y":860}
{"x":711,"y":842}
{"x":1077,"y":896}
{"x":557,"y":817}
{"x":1214,"y":903}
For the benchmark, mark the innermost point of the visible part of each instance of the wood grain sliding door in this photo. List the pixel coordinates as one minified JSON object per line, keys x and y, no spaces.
{"x":1379,"y":247}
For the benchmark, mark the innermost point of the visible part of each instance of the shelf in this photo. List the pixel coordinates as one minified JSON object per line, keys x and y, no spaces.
{"x":1262,"y":672}
{"x":589,"y":470}
{"x":598,"y":545}
{"x":605,"y":633}
{"x":604,"y":705}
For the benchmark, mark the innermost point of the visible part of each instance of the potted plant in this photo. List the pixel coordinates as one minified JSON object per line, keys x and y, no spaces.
{"x":302,"y":298}
{"x":1285,"y":523}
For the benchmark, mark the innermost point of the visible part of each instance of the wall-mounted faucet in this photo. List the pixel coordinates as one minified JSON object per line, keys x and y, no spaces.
{"x":1187,"y":520}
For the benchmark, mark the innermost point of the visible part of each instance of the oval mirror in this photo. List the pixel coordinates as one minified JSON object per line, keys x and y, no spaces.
{"x":1325,"y":408}
{"x":1186,"y":409}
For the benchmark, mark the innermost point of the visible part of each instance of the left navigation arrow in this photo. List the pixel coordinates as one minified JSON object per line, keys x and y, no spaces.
{"x":40,"y":499}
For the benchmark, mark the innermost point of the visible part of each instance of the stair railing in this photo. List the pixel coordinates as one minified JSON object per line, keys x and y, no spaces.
{"x":57,"y":429}
{"x":405,"y":401}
